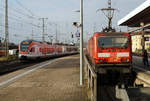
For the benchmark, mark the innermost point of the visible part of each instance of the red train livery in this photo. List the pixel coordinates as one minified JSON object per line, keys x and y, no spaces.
{"x":30,"y":49}
{"x":2,"y":51}
{"x":110,"y":51}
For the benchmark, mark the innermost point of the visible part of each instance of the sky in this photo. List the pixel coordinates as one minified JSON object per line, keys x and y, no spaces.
{"x":60,"y":13}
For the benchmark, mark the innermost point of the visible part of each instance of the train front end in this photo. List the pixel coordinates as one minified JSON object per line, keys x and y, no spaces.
{"x":113,"y":52}
{"x":24,"y":49}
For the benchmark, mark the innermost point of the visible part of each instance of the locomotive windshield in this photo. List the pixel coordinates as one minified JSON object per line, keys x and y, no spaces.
{"x":109,"y":42}
{"x":25,"y":45}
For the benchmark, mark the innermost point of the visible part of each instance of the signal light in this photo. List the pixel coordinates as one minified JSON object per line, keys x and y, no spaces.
{"x":72,"y":36}
{"x":75,"y":24}
{"x":108,"y":50}
{"x":127,"y":60}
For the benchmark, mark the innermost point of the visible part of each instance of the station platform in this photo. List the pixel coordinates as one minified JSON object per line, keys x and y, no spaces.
{"x":58,"y":81}
{"x":137,"y":61}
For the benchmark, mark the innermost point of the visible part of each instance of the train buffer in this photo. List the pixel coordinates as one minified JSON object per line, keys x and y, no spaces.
{"x":57,"y":81}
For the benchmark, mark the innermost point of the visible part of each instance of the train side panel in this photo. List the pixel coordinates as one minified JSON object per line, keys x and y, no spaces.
{"x":30,"y":49}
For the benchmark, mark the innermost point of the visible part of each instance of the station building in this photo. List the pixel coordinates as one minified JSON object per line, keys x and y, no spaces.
{"x":137,"y":42}
{"x":139,"y":21}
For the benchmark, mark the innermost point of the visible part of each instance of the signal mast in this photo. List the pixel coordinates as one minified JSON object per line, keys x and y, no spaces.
{"x":109,"y":13}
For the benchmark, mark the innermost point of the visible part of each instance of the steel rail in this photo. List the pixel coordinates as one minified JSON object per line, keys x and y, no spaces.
{"x":143,"y":77}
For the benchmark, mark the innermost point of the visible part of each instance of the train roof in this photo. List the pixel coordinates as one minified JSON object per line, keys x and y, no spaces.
{"x":112,"y":33}
{"x":138,"y":15}
{"x":47,"y":42}
{"x":30,"y":40}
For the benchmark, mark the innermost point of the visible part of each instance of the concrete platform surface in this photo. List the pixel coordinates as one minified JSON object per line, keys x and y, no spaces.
{"x":139,"y":94}
{"x":58,"y":81}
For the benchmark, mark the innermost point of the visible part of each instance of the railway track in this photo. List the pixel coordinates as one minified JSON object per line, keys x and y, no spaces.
{"x":107,"y":94}
{"x":142,"y":75}
{"x":112,"y":93}
{"x":6,"y":68}
{"x":104,"y":93}
{"x":142,"y":84}
{"x":135,"y":93}
{"x":13,"y":66}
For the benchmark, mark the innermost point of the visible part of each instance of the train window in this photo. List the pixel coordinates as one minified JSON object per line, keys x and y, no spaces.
{"x":108,"y":42}
{"x":24,"y":47}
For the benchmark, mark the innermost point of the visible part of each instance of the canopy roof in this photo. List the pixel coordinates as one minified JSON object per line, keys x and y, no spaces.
{"x":138,"y":15}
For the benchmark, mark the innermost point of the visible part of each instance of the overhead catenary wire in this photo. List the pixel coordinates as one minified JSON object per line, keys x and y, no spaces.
{"x":18,"y":11}
{"x":22,"y":19}
{"x":19,"y":20}
{"x":21,"y":5}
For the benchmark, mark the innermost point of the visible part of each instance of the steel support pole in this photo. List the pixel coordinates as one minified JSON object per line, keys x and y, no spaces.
{"x":81,"y":42}
{"x":43,"y":35}
{"x":143,"y":39}
{"x":56,"y":33}
{"x":6,"y":29}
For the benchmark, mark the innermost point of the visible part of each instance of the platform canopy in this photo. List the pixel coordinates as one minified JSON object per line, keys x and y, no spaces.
{"x":138,"y":15}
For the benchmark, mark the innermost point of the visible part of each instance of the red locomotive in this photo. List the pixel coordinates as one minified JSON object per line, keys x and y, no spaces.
{"x":110,"y":51}
{"x":30,"y":49}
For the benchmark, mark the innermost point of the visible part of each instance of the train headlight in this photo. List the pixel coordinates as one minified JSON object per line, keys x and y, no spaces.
{"x":127,"y":60}
{"x":100,"y":60}
{"x":108,"y":50}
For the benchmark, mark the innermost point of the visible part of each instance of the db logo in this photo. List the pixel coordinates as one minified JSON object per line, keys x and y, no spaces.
{"x":113,"y":55}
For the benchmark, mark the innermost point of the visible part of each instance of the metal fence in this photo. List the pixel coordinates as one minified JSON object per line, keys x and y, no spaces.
{"x":91,"y":76}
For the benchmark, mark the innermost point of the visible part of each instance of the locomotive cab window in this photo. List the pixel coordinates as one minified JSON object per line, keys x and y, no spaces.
{"x":108,"y":42}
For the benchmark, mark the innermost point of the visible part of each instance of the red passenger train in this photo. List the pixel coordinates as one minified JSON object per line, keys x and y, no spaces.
{"x":30,"y":49}
{"x":2,"y":51}
{"x":110,"y":51}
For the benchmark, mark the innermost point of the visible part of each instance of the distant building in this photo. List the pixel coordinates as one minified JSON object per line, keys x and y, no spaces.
{"x":137,"y":42}
{"x":13,"y":52}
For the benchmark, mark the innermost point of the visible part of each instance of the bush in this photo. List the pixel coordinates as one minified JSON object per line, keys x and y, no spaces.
{"x":9,"y":58}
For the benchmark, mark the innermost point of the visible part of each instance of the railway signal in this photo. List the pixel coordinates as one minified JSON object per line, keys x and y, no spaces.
{"x":72,"y":36}
{"x":75,"y":24}
{"x":78,"y":34}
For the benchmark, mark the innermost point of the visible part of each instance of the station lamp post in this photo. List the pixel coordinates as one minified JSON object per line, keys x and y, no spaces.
{"x":81,"y":41}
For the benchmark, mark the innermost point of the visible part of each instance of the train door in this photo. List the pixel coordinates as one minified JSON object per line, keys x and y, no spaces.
{"x":32,"y":51}
{"x":37,"y":52}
